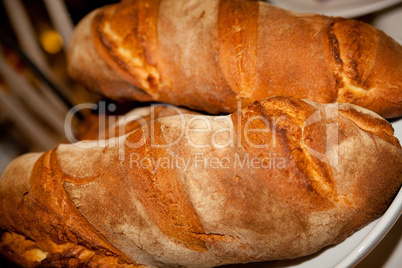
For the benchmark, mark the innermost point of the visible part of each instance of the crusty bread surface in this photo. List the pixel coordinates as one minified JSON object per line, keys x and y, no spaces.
{"x":279,"y":179}
{"x":211,"y":55}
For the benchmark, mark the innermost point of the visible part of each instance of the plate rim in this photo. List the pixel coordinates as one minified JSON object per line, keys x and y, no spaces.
{"x":340,"y":12}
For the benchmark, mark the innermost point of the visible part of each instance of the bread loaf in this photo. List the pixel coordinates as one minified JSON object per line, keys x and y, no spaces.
{"x":279,"y":179}
{"x":106,"y":126}
{"x":211,"y":54}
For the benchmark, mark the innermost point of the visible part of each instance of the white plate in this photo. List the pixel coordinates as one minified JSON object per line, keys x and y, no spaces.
{"x":390,"y":21}
{"x":342,"y":8}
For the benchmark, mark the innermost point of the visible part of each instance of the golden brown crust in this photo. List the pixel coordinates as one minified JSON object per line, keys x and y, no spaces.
{"x":56,"y":236}
{"x":132,"y":35}
{"x":375,"y":125}
{"x":207,"y":55}
{"x":371,"y":64}
{"x":235,"y":50}
{"x":22,"y":251}
{"x":164,"y":197}
{"x":275,"y":180}
{"x":94,"y":71}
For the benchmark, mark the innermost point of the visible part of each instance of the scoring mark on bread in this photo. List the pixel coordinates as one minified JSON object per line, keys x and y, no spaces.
{"x":164,"y":197}
{"x":317,"y":171}
{"x":122,"y":45}
{"x":370,"y":122}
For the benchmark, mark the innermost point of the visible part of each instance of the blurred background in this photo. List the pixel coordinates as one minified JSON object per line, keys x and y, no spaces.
{"x":35,"y":91}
